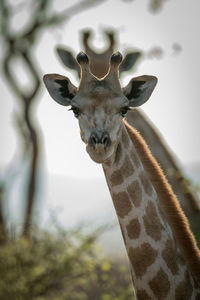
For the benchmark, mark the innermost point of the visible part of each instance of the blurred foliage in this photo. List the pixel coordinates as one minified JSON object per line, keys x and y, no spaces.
{"x":156,"y":5}
{"x":67,"y":265}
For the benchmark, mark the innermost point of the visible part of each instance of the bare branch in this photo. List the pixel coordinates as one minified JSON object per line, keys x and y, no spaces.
{"x":20,"y":45}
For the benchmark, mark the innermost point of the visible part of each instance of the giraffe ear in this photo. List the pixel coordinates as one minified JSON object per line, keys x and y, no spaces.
{"x":129,"y":61}
{"x":60,"y":88}
{"x":139,"y":89}
{"x":68,"y":59}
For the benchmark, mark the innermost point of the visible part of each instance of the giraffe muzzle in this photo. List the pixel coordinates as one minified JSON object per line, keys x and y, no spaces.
{"x":99,"y":139}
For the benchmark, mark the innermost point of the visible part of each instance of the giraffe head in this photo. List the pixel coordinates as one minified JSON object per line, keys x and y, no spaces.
{"x":100,"y":104}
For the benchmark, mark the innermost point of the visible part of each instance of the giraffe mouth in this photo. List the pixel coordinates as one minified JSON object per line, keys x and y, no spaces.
{"x":99,"y":153}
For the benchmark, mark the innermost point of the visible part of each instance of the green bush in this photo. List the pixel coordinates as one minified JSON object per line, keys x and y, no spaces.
{"x":61,"y":266}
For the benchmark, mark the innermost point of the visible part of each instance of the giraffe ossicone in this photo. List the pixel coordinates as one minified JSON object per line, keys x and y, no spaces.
{"x":163,"y":255}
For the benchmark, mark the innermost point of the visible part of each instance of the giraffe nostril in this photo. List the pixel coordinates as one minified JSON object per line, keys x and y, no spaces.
{"x":105,"y":140}
{"x":93,"y":140}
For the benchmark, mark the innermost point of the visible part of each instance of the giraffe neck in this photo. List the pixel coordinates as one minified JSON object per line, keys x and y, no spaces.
{"x":158,"y":267}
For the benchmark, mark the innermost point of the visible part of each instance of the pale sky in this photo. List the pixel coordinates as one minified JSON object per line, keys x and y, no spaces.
{"x":174,"y":107}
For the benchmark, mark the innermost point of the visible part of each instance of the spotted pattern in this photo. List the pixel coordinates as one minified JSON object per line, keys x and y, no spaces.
{"x":141,"y":258}
{"x":160,"y":285}
{"x":161,"y":213}
{"x":133,"y":229}
{"x":146,"y":184}
{"x":184,"y":289}
{"x":170,"y":258}
{"x":142,"y":295}
{"x":135,"y":193}
{"x":122,"y":204}
{"x":135,"y":159}
{"x":127,"y":168}
{"x":116,"y":178}
{"x":152,"y":224}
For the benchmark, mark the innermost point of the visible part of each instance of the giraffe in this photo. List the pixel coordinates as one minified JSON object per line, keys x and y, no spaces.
{"x":182,"y":188}
{"x":163,"y":255}
{"x":99,"y":63}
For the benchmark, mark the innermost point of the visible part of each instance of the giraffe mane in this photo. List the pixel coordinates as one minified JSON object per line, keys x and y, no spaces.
{"x":169,"y":202}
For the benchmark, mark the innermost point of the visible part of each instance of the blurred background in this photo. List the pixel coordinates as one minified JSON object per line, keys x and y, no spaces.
{"x":47,"y":180}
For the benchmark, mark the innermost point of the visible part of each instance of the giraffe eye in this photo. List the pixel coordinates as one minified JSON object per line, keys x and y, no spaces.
{"x":124,"y":110}
{"x":76,"y":111}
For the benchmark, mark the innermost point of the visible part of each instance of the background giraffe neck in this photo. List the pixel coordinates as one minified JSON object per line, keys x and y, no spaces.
{"x":158,"y":267}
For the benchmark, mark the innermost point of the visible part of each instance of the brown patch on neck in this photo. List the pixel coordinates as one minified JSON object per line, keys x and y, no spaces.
{"x":116,"y":178}
{"x":135,"y":193}
{"x":160,"y":285}
{"x":127,"y":168}
{"x":135,"y":159}
{"x":153,"y":226}
{"x":141,"y":258}
{"x":169,"y":254}
{"x":133,"y":229}
{"x":122,"y":204}
{"x":142,"y":295}
{"x":171,"y":207}
{"x":184,"y":289}
{"x":146,"y":184}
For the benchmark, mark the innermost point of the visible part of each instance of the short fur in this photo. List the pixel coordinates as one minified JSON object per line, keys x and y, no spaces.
{"x":170,"y":204}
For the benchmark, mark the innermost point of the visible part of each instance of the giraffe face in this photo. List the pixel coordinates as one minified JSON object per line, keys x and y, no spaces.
{"x":100,"y":113}
{"x":100,"y":104}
